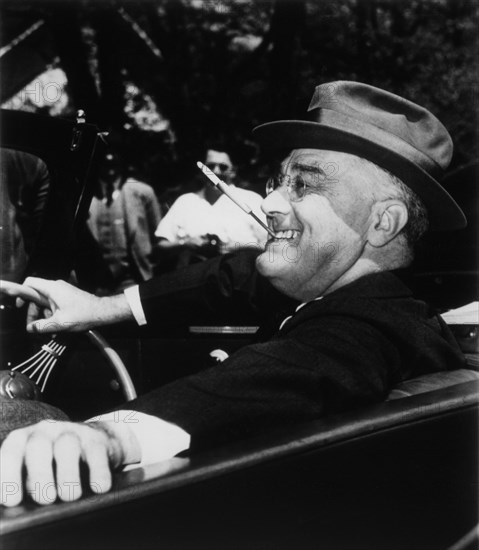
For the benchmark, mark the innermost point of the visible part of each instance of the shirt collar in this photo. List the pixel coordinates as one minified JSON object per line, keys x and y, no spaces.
{"x":296,"y":311}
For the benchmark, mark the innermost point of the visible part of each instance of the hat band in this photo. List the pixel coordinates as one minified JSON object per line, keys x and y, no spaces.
{"x":377,"y":135}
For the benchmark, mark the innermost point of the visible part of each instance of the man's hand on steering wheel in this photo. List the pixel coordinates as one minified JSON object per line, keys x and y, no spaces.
{"x":57,"y":306}
{"x":69,"y":308}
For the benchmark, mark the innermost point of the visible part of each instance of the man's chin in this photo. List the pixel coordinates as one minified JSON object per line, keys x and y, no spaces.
{"x":268,"y":266}
{"x":260,"y":262}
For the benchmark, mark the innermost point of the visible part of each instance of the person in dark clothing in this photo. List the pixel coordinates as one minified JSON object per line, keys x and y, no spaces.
{"x":357,"y":190}
{"x":24,"y":187}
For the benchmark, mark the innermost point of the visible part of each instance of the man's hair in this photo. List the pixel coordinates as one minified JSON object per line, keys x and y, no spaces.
{"x":220,"y":147}
{"x":418,"y":220}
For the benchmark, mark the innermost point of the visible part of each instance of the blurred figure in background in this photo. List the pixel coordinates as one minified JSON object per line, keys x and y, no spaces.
{"x":24,"y":186}
{"x":123,"y":219}
{"x":207,"y":218}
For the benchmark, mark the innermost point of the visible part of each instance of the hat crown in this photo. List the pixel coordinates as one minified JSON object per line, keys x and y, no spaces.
{"x":390,"y":131}
{"x":395,"y":115}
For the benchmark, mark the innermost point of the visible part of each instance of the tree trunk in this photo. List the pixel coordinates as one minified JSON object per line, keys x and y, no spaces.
{"x":66,"y":29}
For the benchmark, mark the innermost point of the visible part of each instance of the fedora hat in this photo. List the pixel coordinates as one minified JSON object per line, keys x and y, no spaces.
{"x":394,"y":133}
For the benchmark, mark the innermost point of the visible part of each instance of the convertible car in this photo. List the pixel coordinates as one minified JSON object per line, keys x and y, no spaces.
{"x":396,"y":475}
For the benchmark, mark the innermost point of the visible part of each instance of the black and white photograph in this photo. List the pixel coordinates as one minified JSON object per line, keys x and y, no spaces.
{"x":239,"y":274}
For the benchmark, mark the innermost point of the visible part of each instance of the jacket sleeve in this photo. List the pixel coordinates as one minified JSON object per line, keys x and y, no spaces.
{"x":267,"y":386}
{"x":224,"y":290}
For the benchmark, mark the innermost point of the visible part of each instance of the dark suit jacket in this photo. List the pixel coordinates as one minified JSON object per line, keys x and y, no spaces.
{"x":345,"y":350}
{"x":24,"y":186}
{"x":224,"y":290}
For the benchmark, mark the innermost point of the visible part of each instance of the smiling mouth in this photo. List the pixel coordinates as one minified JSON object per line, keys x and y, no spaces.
{"x":286,"y":235}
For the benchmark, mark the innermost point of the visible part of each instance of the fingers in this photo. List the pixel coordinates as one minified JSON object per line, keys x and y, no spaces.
{"x":35,"y":312}
{"x":40,"y":482}
{"x":50,"y":453}
{"x":67,"y":453}
{"x":11,"y":463}
{"x":46,"y":287}
{"x":69,"y":308}
{"x":21,"y":291}
{"x":96,"y":456}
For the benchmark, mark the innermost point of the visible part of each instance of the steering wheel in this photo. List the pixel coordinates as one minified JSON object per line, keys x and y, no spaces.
{"x":21,"y":383}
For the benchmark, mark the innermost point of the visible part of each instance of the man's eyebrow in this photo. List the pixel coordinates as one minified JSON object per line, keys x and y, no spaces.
{"x":314,"y":168}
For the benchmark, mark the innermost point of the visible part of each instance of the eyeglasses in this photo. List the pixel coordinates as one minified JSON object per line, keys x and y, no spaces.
{"x":223,"y":167}
{"x":309,"y":179}
{"x":295,"y":186}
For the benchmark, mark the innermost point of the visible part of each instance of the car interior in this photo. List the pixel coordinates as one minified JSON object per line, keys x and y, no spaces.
{"x":402,"y":472}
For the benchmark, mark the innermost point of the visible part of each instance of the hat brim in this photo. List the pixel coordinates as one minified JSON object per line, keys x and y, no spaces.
{"x":444,"y":213}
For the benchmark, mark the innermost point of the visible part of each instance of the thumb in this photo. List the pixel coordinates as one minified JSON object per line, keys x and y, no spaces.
{"x":46,"y":326}
{"x":54,"y":324}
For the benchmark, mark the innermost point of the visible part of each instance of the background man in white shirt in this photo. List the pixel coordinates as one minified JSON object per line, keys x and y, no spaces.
{"x":195,"y":219}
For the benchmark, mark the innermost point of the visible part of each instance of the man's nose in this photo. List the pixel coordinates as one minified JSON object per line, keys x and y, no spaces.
{"x":276,"y":202}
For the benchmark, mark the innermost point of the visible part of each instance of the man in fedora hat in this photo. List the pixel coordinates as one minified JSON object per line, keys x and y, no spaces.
{"x":357,"y":189}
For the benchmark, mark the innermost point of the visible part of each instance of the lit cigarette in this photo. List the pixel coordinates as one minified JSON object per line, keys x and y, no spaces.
{"x":224,"y":188}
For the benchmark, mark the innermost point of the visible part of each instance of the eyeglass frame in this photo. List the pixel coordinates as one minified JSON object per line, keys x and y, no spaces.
{"x":275,"y":182}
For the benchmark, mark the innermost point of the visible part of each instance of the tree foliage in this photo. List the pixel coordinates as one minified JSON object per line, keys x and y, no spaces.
{"x":210,"y":70}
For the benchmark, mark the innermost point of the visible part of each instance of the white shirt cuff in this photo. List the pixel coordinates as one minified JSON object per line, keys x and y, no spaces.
{"x":158,"y":440}
{"x":132,"y":295}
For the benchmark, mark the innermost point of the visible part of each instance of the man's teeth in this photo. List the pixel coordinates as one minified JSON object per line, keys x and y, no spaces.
{"x":288,"y":234}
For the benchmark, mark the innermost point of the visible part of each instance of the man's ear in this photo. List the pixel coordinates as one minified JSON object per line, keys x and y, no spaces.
{"x":388,"y":218}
